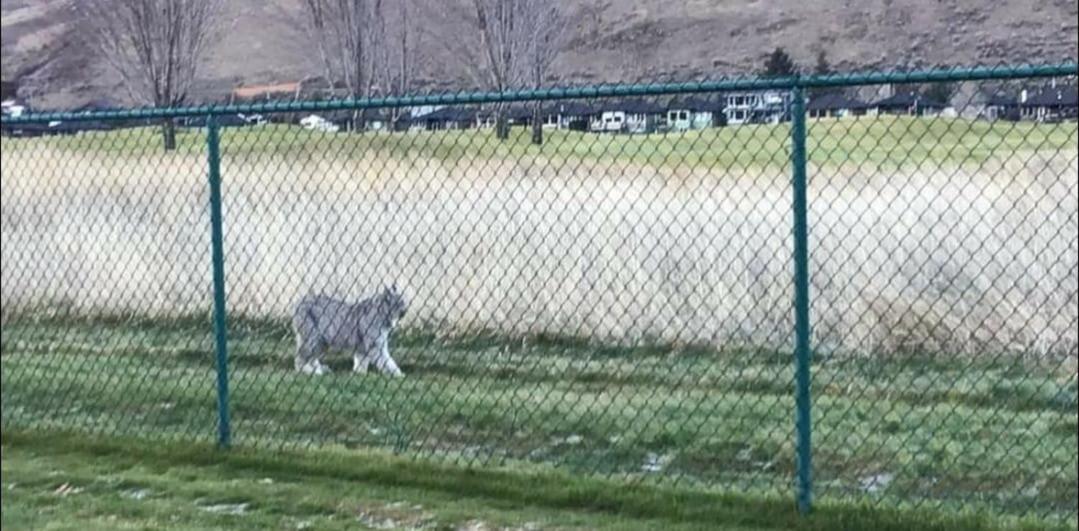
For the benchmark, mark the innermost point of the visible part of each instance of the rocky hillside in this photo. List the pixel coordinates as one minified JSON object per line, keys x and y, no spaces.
{"x":44,"y":47}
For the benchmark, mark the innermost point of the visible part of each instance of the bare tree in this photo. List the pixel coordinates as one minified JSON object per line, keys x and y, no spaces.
{"x":503,"y":40}
{"x":545,"y":30}
{"x":347,"y":34}
{"x":397,"y":52}
{"x":405,"y":59}
{"x":156,"y":46}
{"x":513,"y":46}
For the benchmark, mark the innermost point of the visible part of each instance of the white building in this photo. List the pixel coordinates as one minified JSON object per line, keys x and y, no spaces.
{"x":693,"y":113}
{"x":760,"y":106}
{"x":628,"y":116}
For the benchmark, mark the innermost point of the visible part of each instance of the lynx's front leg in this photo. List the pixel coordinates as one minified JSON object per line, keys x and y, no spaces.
{"x":383,"y":361}
{"x":364,"y":356}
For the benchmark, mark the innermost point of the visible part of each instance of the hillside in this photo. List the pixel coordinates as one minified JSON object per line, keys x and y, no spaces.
{"x":613,"y":40}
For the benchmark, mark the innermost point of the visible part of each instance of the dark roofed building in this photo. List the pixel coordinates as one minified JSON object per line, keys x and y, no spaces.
{"x":834,"y":105}
{"x":572,"y":115}
{"x":632,"y":106}
{"x":574,"y":108}
{"x":402,"y":122}
{"x":694,"y":112}
{"x":344,"y":119}
{"x":999,"y":106}
{"x":386,"y":120}
{"x":222,"y":120}
{"x":451,"y":117}
{"x":629,"y":116}
{"x":909,"y":103}
{"x":70,"y":127}
{"x":697,"y":103}
{"x":24,"y":130}
{"x":1050,"y":104}
{"x":515,"y":114}
{"x":78,"y":126}
{"x":367,"y":119}
{"x":519,"y":114}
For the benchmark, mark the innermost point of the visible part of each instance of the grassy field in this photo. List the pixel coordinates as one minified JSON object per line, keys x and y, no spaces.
{"x":945,"y":236}
{"x":923,"y":433}
{"x":617,"y":306}
{"x":64,"y":482}
{"x":885,"y":142}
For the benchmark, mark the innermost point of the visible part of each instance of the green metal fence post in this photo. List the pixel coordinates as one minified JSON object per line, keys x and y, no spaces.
{"x":802,"y":352}
{"x":213,"y":141}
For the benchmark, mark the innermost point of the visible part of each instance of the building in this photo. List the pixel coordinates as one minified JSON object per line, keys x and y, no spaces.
{"x":607,"y":122}
{"x":12,"y":108}
{"x":387,"y":120}
{"x":571,"y":115}
{"x":684,"y":114}
{"x":642,"y":116}
{"x":1050,"y":104}
{"x":377,"y":121}
{"x":76,"y":127}
{"x":998,"y":106}
{"x":909,"y":103}
{"x":221,"y":120}
{"x":448,"y":118}
{"x":485,"y":119}
{"x":756,"y":107}
{"x":628,"y":116}
{"x":369,"y":119}
{"x":519,"y":114}
{"x":24,"y":130}
{"x":401,"y":121}
{"x":834,"y":105}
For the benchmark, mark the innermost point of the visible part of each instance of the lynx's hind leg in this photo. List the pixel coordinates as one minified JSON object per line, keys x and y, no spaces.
{"x":360,"y":361}
{"x":308,"y":354}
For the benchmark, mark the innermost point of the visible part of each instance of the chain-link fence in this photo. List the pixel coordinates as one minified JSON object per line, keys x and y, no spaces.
{"x":633,"y":295}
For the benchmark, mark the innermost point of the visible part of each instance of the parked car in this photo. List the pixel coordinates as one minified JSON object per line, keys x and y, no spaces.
{"x":253,"y":119}
{"x":317,"y":123}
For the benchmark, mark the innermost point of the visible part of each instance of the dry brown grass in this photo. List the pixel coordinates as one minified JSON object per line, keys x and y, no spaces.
{"x":979,"y":259}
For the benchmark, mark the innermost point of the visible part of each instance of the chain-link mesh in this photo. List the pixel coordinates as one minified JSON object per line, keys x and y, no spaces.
{"x":617,"y":303}
{"x":944,"y":283}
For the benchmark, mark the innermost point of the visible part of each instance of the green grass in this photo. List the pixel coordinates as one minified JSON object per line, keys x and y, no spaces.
{"x":993,"y":436}
{"x":63,"y":481}
{"x":870,"y":143}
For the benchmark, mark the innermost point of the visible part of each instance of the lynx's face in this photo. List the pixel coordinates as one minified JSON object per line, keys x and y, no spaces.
{"x":395,"y":304}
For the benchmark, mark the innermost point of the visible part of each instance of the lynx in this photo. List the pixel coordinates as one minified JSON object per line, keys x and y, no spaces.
{"x":363,"y":328}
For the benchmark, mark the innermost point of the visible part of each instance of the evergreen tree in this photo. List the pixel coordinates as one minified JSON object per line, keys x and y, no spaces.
{"x":823,"y":68}
{"x":940,"y":92}
{"x":779,"y":64}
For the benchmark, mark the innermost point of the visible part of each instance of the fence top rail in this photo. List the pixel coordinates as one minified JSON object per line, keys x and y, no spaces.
{"x":980,"y":73}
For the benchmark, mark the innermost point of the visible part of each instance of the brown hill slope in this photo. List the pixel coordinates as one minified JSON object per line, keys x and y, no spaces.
{"x":613,"y":40}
